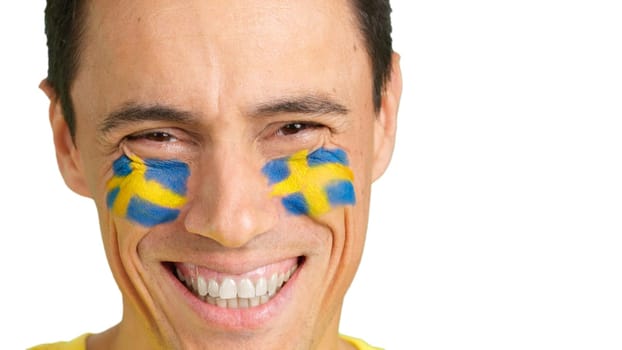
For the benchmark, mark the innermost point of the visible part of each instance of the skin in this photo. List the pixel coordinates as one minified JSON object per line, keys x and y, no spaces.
{"x":218,"y":61}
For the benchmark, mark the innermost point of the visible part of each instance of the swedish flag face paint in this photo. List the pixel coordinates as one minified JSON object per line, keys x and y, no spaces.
{"x":312,"y":183}
{"x":148,"y":192}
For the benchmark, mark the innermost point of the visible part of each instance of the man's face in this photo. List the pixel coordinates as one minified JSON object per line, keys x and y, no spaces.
{"x":225,"y":88}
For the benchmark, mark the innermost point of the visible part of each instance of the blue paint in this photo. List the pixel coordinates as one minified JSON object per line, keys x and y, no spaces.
{"x":312,"y":183}
{"x":121,"y":166}
{"x":172,"y":174}
{"x":112,"y":196}
{"x":296,"y":204}
{"x":341,"y":193}
{"x":147,"y":192}
{"x":326,"y":156}
{"x":276,"y":170}
{"x":148,"y":214}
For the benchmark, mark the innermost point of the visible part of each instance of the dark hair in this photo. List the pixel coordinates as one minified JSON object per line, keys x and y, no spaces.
{"x":374,"y":20}
{"x":64,"y":25}
{"x":65,"y":21}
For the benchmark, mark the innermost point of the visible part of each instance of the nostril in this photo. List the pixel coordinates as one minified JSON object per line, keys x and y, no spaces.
{"x":231,"y":202}
{"x":233,"y":228}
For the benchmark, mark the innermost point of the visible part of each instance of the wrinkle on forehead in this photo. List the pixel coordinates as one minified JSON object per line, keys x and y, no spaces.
{"x":218,"y":53}
{"x":112,"y":20}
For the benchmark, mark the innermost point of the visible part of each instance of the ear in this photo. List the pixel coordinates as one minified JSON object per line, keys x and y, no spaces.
{"x":386,"y":120}
{"x":67,"y":154}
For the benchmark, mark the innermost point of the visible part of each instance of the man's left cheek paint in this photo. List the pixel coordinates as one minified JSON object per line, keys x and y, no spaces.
{"x":147,"y":192}
{"x":312,"y":183}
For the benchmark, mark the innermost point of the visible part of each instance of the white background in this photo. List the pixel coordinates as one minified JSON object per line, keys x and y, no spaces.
{"x":498,"y":225}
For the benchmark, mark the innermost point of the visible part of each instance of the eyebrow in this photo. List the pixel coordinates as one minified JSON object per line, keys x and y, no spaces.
{"x":307,"y":104}
{"x":131,"y":113}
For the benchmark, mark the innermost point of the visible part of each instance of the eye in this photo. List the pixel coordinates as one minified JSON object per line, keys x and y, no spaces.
{"x":294,"y":128}
{"x":155,"y":136}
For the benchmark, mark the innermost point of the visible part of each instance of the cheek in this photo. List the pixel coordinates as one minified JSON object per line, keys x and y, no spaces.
{"x":312,"y":183}
{"x":147,"y":192}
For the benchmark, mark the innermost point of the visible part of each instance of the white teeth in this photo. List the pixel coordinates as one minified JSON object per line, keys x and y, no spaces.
{"x":272,"y":284}
{"x":243,"y":303}
{"x":246,"y":288}
{"x":180,"y":275}
{"x":232,"y":303}
{"x":193,"y":282}
{"x":262,"y":287}
{"x":231,"y":293}
{"x":228,"y":289}
{"x":201,"y":286}
{"x":212,"y":288}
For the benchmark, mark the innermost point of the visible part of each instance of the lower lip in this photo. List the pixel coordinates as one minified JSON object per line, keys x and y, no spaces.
{"x":238,"y":319}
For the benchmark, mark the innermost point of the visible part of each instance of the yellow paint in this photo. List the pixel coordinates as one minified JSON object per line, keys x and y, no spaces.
{"x":135,"y":184}
{"x":310,"y":181}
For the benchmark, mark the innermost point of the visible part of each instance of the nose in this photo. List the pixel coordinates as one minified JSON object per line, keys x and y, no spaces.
{"x":231,"y":204}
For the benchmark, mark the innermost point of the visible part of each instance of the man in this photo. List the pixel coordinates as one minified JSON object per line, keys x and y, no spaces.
{"x":229,"y":147}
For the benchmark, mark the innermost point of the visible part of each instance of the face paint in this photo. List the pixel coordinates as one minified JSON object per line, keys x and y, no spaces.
{"x":148,"y":192}
{"x":312,"y":183}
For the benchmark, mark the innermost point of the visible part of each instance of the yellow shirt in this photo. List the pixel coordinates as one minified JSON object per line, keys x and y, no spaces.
{"x":77,"y":344}
{"x":80,"y":344}
{"x":358,"y":343}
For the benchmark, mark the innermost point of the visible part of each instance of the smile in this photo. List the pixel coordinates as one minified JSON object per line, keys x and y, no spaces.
{"x":247,"y":290}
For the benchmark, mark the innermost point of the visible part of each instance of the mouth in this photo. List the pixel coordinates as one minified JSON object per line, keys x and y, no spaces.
{"x":236,"y":291}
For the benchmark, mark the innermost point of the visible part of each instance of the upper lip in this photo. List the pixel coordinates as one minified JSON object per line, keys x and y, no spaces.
{"x":242,"y":272}
{"x":236,"y":266}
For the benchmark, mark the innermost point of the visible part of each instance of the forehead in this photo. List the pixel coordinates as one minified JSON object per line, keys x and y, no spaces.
{"x":218,"y":52}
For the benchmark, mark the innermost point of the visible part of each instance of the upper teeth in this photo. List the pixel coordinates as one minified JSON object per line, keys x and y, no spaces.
{"x":238,"y":293}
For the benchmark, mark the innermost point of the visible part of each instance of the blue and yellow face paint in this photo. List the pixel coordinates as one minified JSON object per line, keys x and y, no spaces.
{"x":148,"y":192}
{"x":312,"y":183}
